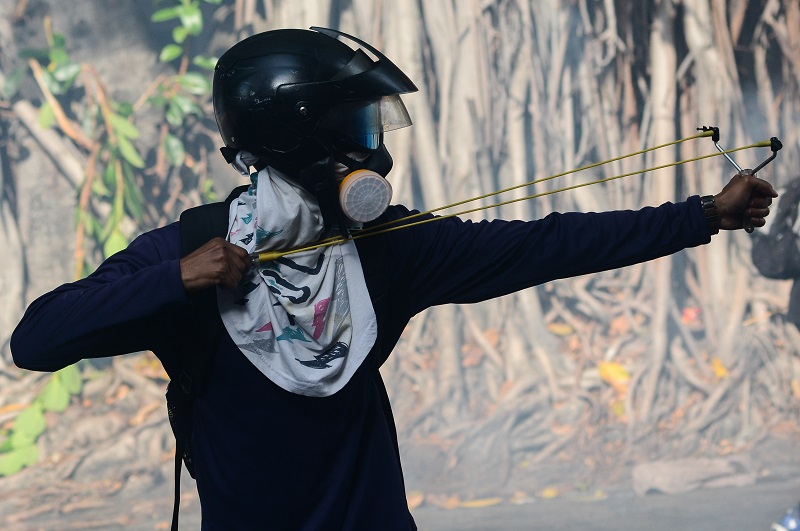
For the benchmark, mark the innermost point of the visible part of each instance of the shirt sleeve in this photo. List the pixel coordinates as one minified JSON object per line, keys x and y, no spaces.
{"x":118,"y":309}
{"x":455,"y":261}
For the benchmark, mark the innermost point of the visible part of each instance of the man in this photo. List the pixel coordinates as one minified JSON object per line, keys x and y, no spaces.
{"x":293,"y":428}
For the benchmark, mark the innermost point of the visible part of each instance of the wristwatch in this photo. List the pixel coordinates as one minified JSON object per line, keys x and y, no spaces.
{"x":710,"y":212}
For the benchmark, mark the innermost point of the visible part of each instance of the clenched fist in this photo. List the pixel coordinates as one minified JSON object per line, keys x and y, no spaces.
{"x":218,"y":262}
{"x":744,"y":201}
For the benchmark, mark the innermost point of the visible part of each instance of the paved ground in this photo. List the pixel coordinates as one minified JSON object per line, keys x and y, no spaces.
{"x":746,"y":508}
{"x":28,"y":503}
{"x":753,"y":507}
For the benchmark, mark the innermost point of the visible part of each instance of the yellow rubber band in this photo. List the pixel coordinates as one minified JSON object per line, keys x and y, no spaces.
{"x":384,"y":228}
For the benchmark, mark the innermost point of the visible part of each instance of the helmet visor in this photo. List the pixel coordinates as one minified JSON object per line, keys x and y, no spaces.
{"x":364,"y":121}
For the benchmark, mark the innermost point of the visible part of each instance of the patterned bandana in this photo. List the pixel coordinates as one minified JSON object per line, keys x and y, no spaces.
{"x":304,"y":320}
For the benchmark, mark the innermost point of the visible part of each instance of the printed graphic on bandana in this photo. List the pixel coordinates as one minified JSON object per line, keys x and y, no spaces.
{"x":330,"y":313}
{"x":339,"y":350}
{"x":292,"y":317}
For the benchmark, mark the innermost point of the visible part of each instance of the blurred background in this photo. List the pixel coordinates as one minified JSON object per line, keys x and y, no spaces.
{"x":628,"y":397}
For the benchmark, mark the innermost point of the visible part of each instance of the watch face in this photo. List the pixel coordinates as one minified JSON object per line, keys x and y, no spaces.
{"x":709,"y":206}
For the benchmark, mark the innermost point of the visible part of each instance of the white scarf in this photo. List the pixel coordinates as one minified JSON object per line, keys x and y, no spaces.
{"x":306,"y":320}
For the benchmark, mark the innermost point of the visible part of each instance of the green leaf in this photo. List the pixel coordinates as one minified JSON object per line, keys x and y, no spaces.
{"x":133,"y":204}
{"x":123,"y":127}
{"x":93,"y":226}
{"x":195,"y":83}
{"x":84,"y":219}
{"x":47,"y":118}
{"x":109,"y":178}
{"x":59,"y":41}
{"x":209,"y":63}
{"x":96,"y":228}
{"x":40,"y":54}
{"x":216,"y":2}
{"x":173,"y":148}
{"x":12,"y":83}
{"x":59,"y":56}
{"x":51,"y":83}
{"x":197,"y":110}
{"x":175,"y":114}
{"x":184,"y":103}
{"x":207,"y":191}
{"x":31,"y":421}
{"x":54,"y":396}
{"x":179,"y":34}
{"x":129,"y":152}
{"x":165,"y":14}
{"x":20,"y":439}
{"x":115,"y":243}
{"x":133,"y":198}
{"x":66,"y":72}
{"x":118,"y":208}
{"x":15,"y":460}
{"x":180,"y":106}
{"x":157,"y":101}
{"x":108,"y":228}
{"x":70,"y":377}
{"x":30,"y":455}
{"x":124,"y":108}
{"x":86,"y":270}
{"x":192,"y":18}
{"x":170,"y":52}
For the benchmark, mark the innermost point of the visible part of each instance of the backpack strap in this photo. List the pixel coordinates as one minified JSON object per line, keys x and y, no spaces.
{"x":202,"y":331}
{"x":198,"y":226}
{"x":202,"y":223}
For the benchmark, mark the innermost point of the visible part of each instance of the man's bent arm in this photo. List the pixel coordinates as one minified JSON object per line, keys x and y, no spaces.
{"x":113,"y":311}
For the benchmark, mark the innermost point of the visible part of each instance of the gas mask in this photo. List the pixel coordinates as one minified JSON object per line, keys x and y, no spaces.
{"x":364,"y":193}
{"x":350,"y":191}
{"x":361,"y":161}
{"x":351,"y":161}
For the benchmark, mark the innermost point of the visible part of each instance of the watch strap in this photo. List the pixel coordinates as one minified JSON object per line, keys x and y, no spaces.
{"x":710,"y":212}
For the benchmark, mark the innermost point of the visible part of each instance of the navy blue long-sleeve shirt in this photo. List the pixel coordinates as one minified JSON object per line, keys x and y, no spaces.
{"x":269,"y":459}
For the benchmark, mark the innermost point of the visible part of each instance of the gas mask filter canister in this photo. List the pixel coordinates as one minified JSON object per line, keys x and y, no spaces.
{"x":364,"y":195}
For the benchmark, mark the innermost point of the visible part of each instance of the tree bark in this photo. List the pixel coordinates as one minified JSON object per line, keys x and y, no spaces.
{"x":663,"y":94}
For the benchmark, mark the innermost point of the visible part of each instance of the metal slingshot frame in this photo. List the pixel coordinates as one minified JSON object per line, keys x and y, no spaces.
{"x":775,"y":146}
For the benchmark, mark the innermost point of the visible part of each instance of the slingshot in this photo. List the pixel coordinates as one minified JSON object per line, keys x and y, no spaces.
{"x":774,"y":144}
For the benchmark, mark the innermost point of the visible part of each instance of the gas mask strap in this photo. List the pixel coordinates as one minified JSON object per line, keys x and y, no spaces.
{"x":379,"y":161}
{"x":348,"y":161}
{"x":317,"y":179}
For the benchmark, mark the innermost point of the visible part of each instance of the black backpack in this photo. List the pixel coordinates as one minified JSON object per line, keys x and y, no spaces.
{"x":202,"y":329}
{"x":776,"y":254}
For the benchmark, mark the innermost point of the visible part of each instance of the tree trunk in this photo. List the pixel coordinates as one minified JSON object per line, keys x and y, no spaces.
{"x":663,"y":94}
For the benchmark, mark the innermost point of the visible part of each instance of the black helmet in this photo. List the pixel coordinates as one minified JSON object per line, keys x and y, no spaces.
{"x":292,"y":96}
